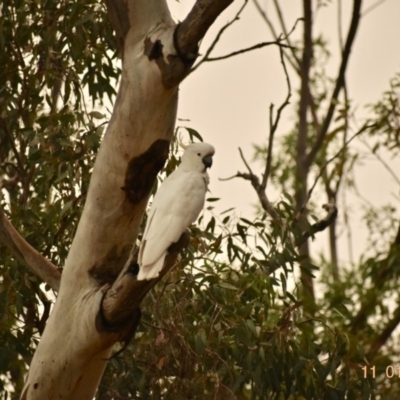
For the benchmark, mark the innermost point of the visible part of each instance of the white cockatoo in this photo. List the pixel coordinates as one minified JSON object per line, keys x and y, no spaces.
{"x":176,"y":205}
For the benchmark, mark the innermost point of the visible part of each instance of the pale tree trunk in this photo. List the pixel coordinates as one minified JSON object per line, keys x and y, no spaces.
{"x":99,"y":297}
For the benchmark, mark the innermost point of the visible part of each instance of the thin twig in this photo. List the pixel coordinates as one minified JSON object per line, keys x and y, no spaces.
{"x":364,"y":128}
{"x":265,"y":203}
{"x":383,"y":162}
{"x":245,"y":162}
{"x":274,"y":125}
{"x":372,"y":7}
{"x":294,"y":62}
{"x":218,"y":36}
{"x":281,"y":20}
{"x":268,"y":163}
{"x":355,"y":19}
{"x":242,"y":51}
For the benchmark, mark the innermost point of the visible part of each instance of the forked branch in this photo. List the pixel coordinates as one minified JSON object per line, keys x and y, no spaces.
{"x":219,"y":35}
{"x":194,"y":27}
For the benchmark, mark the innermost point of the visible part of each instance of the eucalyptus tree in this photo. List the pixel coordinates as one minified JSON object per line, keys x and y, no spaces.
{"x":249,"y":312}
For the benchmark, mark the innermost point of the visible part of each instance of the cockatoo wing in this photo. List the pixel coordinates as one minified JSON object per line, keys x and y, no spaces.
{"x":176,"y":205}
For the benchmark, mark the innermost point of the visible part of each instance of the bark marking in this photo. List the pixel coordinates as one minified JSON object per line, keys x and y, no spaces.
{"x":107,"y":269}
{"x":143,"y":169}
{"x":173,"y":71}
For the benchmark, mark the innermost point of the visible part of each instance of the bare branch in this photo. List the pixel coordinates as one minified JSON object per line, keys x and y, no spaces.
{"x":245,"y":162}
{"x":281,"y":20}
{"x":372,"y":7}
{"x":302,"y":137}
{"x":268,"y":163}
{"x":262,"y":196}
{"x":265,"y":203}
{"x":273,"y":126}
{"x":256,"y":46}
{"x":218,"y":36}
{"x":355,"y":19}
{"x":364,"y":128}
{"x":25,"y":253}
{"x":382,"y":161}
{"x":293,"y":60}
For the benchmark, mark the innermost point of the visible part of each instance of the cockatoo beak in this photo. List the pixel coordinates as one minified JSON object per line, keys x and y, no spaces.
{"x":207,"y":161}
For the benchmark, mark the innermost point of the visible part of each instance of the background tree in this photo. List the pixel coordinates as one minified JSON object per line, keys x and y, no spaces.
{"x":230,"y":321}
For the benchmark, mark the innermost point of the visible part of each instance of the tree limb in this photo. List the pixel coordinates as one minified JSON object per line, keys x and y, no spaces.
{"x":194,"y":27}
{"x":301,"y":146}
{"x":273,"y":125}
{"x":174,"y":48}
{"x":126,"y":293}
{"x":255,"y":182}
{"x":340,"y":80}
{"x":25,"y":253}
{"x":294,"y":62}
{"x":302,"y":137}
{"x":119,"y":17}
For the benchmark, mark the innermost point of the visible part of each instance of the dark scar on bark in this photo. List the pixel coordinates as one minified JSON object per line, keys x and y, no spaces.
{"x":178,"y":65}
{"x":153,"y":50}
{"x":143,"y":169}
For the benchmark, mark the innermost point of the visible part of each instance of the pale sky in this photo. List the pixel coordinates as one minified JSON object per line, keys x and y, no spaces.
{"x":227,"y":101}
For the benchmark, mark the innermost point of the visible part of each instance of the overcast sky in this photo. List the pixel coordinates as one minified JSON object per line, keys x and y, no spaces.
{"x":227,"y":101}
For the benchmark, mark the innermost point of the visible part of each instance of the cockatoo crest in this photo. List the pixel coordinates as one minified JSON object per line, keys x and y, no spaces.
{"x":176,"y":205}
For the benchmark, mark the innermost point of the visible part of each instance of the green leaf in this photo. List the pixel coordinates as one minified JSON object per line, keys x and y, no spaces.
{"x":228,"y":286}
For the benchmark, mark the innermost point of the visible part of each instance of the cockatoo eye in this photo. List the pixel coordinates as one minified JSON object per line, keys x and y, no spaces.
{"x":199,"y":154}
